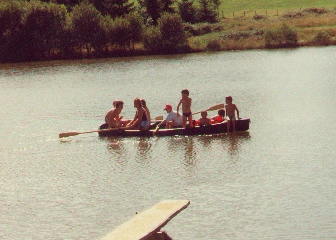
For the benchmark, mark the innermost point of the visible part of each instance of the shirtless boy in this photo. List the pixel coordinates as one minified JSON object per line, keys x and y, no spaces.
{"x":186,"y":108}
{"x":230,"y":112}
{"x":107,"y":116}
{"x":112,"y":117}
{"x":204,"y":120}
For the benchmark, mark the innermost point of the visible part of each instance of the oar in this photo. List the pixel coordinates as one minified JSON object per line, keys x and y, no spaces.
{"x":69,"y":134}
{"x":216,"y":107}
{"x":157,"y":128}
{"x":158,"y":118}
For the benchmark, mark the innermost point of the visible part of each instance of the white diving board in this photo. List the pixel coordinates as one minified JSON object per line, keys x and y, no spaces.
{"x":147,"y":224}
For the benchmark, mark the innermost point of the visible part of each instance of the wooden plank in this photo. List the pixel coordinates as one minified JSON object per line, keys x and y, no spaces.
{"x":148,"y":222}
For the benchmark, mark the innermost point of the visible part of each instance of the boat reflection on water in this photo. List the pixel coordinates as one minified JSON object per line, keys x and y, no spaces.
{"x":120,"y":146}
{"x":116,"y":145}
{"x":190,"y":149}
{"x":195,"y":146}
{"x":186,"y":145}
{"x":231,"y":142}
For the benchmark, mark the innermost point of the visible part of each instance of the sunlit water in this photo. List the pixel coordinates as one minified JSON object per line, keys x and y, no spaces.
{"x":276,"y":181}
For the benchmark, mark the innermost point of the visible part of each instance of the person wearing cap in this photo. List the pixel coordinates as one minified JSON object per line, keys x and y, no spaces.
{"x":173,"y":119}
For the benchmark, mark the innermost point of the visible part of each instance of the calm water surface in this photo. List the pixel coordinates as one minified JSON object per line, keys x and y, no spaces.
{"x":276,"y":181}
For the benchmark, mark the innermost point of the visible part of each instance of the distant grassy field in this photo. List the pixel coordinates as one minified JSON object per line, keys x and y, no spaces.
{"x":260,"y":6}
{"x":314,"y":27}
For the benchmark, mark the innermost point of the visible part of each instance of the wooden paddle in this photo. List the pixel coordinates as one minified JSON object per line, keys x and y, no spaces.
{"x":69,"y":134}
{"x":216,"y":107}
{"x":157,"y":128}
{"x":158,"y":118}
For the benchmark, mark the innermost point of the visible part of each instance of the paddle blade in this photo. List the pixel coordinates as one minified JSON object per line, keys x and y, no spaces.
{"x":218,"y":106}
{"x":68,"y":134}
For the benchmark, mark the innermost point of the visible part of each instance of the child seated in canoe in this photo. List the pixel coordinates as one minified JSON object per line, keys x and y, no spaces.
{"x":219,"y":118}
{"x":204,"y":120}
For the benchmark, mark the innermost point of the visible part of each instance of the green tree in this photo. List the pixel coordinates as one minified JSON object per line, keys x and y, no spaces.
{"x":11,"y":26}
{"x":152,"y":39}
{"x":69,"y":4}
{"x":121,"y":33}
{"x":167,"y":6}
{"x":206,"y":12}
{"x":114,"y":8}
{"x":68,"y":41}
{"x":216,"y":4}
{"x":154,"y":9}
{"x":172,"y":33}
{"x":42,"y":26}
{"x":187,"y":11}
{"x":86,"y":21}
{"x":118,"y":8}
{"x":136,"y":28}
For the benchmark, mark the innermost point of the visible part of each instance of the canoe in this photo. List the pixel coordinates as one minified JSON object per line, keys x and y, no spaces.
{"x":241,"y":125}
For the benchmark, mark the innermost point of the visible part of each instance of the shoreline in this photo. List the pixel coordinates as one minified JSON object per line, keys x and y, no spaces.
{"x":312,"y":27}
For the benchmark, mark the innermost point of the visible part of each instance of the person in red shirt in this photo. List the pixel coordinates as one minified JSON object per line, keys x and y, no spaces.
{"x":219,"y":118}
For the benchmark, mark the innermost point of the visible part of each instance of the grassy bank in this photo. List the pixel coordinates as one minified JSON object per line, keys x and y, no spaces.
{"x":272,"y":7}
{"x":313,"y":26}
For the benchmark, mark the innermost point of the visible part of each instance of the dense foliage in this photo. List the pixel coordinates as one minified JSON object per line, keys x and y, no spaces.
{"x":49,"y":29}
{"x":32,"y":30}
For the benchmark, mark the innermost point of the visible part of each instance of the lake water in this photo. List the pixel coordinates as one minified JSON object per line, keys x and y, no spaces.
{"x":276,"y":181}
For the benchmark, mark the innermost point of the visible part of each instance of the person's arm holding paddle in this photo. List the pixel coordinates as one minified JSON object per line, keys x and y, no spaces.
{"x":168,"y":108}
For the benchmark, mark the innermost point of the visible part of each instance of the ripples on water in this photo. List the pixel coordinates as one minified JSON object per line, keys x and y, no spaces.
{"x":276,"y":181}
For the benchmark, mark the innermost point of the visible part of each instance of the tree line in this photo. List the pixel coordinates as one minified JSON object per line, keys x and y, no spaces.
{"x":66,"y":29}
